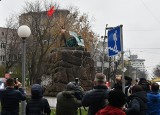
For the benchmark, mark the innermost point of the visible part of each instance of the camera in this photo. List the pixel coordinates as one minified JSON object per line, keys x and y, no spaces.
{"x":76,"y":81}
{"x":15,"y":81}
{"x":78,"y":93}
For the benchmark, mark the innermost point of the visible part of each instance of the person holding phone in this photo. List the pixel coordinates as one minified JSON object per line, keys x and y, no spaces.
{"x":10,"y":98}
{"x":17,"y":83}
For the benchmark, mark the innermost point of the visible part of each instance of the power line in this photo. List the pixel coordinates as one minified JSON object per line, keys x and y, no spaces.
{"x":142,"y":30}
{"x":144,"y":48}
{"x":147,"y":8}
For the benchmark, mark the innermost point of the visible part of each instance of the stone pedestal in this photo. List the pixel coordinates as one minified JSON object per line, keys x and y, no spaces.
{"x":68,"y":64}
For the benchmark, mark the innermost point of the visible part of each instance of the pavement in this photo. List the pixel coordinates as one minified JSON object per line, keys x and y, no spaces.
{"x":52,"y":101}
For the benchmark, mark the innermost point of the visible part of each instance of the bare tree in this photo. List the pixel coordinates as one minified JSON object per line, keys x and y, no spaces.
{"x":46,"y":32}
{"x":156,"y":71}
{"x":12,"y":44}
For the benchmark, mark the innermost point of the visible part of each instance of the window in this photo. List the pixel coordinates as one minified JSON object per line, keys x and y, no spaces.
{"x":2,"y":33}
{"x":3,"y":45}
{"x":2,"y":58}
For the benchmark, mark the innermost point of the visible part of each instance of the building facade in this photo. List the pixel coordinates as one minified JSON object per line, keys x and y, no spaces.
{"x":7,"y":45}
{"x":137,"y":63}
{"x":3,"y":32}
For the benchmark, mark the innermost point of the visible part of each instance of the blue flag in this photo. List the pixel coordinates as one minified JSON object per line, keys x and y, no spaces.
{"x":114,"y":41}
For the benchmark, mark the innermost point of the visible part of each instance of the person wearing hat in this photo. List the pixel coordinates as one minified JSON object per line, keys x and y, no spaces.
{"x":115,"y":106}
{"x":37,"y":105}
{"x":96,"y":98}
{"x":144,"y":84}
{"x":67,"y":103}
{"x":137,"y":101}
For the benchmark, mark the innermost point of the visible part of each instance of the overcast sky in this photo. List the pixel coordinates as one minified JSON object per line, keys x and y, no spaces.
{"x":140,"y":20}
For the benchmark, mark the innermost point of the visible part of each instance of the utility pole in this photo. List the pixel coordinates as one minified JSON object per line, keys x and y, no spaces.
{"x":103,"y":52}
{"x":122,"y":60}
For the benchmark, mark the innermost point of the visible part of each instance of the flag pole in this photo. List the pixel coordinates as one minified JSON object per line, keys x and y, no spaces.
{"x":122,"y":59}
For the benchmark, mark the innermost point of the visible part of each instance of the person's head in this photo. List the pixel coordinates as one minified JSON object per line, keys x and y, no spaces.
{"x":36,"y":91}
{"x":116,"y":98}
{"x":142,"y":80}
{"x":71,"y":86}
{"x":10,"y":82}
{"x":100,"y":79}
{"x":136,"y":88}
{"x":118,"y":79}
{"x":128,"y":80}
{"x":154,"y":87}
{"x":144,"y":84}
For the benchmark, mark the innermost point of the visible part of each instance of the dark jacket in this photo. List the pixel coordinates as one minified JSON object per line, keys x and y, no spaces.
{"x":95,"y":99}
{"x":67,"y":103}
{"x":37,"y":104}
{"x":153,"y":103}
{"x":10,"y":99}
{"x":137,"y":104}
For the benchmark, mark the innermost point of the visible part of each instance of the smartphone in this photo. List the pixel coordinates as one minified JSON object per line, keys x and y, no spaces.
{"x":15,"y":80}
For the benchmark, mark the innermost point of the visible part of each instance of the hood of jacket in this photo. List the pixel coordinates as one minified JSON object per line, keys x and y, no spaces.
{"x":68,"y":94}
{"x":142,"y":95}
{"x":37,"y":91}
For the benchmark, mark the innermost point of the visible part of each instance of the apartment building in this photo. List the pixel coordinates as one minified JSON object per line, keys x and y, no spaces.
{"x":3,"y":32}
{"x":6,"y":36}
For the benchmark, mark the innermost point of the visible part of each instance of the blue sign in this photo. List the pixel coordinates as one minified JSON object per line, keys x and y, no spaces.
{"x":114,"y":41}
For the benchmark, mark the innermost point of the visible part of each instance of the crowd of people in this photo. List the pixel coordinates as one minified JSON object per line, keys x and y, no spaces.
{"x":140,"y":98}
{"x":13,"y":94}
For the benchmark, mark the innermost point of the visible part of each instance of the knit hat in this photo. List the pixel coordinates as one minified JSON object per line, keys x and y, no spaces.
{"x":70,"y":86}
{"x":100,"y":77}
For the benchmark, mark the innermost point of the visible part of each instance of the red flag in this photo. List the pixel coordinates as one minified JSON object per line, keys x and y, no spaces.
{"x":51,"y":11}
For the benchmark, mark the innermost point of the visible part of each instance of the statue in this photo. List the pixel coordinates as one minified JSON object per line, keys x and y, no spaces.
{"x":75,"y":40}
{"x":63,"y":37}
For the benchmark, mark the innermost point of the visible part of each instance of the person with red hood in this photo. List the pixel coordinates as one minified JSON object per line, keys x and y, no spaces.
{"x":116,"y":99}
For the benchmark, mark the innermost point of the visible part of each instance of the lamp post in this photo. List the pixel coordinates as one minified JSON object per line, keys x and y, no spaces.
{"x":23,"y":32}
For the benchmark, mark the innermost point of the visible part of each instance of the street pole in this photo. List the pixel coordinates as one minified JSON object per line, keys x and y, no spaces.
{"x":23,"y":32}
{"x":136,"y":73}
{"x":122,"y":60}
{"x":23,"y":71}
{"x":103,"y":52}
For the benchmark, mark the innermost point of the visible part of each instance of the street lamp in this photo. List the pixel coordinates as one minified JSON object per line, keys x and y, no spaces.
{"x":23,"y":32}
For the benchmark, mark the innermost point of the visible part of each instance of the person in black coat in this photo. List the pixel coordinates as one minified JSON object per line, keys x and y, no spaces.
{"x":96,"y":98}
{"x":37,"y":105}
{"x":10,"y":98}
{"x":137,"y":104}
{"x":144,"y":84}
